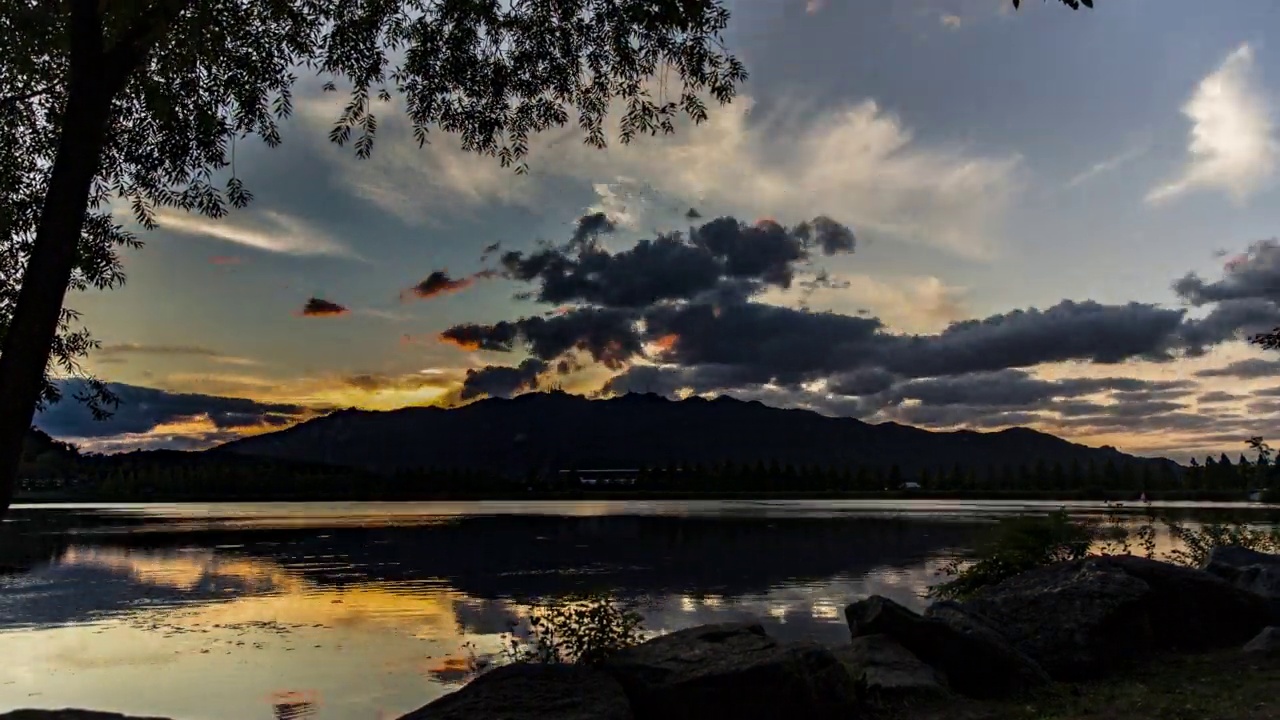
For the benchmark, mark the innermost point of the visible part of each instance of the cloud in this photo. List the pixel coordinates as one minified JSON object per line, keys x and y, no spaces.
{"x":667,"y":315}
{"x":143,"y":410}
{"x":1232,"y":147}
{"x":801,"y":162}
{"x":318,"y":307}
{"x":226,"y":260}
{"x":798,"y":162}
{"x":1253,"y":275}
{"x":122,"y":349}
{"x":1245,"y":369}
{"x":1111,"y":164}
{"x":502,"y":381}
{"x":674,"y":266}
{"x":439,"y":283}
{"x":950,"y":21}
{"x":267,"y":230}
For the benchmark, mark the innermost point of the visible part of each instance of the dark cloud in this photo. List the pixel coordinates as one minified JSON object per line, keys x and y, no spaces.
{"x":1016,"y":389}
{"x":1104,"y":334}
{"x":1217,"y":396}
{"x":868,"y":381}
{"x":375,"y":382}
{"x":608,"y":335}
{"x":502,"y":381}
{"x":317,"y":307}
{"x":692,"y":214}
{"x":674,"y":266}
{"x":1230,"y":320}
{"x":142,"y":409}
{"x":116,"y":351}
{"x":1254,"y":275}
{"x":785,"y":345}
{"x":1250,"y":368}
{"x":439,"y":283}
{"x":591,"y":226}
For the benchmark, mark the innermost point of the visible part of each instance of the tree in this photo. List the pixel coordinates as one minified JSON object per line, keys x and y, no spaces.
{"x":143,"y":102}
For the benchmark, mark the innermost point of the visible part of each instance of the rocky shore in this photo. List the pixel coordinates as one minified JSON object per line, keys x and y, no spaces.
{"x":1079,"y":622}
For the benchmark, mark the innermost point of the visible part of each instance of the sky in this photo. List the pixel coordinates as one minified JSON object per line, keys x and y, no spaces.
{"x":943,"y":213}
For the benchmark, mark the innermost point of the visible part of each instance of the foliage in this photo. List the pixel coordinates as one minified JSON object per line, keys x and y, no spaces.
{"x":1015,"y":546}
{"x":1196,"y":543}
{"x":1030,"y":542}
{"x":584,"y":629}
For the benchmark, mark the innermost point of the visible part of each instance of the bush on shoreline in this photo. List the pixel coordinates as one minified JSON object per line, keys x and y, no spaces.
{"x":1017,"y":545}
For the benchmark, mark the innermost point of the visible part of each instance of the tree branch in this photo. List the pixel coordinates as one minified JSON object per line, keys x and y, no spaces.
{"x":23,"y":97}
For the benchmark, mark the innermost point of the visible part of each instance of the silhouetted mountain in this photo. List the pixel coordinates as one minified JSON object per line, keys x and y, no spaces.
{"x":559,"y":430}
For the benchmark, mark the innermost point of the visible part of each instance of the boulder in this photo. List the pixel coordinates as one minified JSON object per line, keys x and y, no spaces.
{"x":1088,"y":618}
{"x":534,"y":692}
{"x":731,"y":670}
{"x":1257,"y":572}
{"x":975,"y":660}
{"x":1266,"y":643}
{"x":882,"y":668}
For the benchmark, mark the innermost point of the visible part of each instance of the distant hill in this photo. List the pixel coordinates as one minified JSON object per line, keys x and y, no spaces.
{"x":559,"y":431}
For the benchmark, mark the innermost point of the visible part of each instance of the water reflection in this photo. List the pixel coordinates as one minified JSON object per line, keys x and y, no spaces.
{"x":279,"y":612}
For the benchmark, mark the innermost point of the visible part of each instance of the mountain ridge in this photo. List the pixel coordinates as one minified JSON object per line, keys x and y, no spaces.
{"x":557,"y":430}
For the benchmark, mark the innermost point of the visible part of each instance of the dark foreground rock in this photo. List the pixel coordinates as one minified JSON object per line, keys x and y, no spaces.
{"x":975,"y":660}
{"x":1090,"y":618}
{"x":1265,"y":643}
{"x":68,"y":714}
{"x":731,"y":671}
{"x":883,"y":669}
{"x":1257,"y":572}
{"x":533,"y":692}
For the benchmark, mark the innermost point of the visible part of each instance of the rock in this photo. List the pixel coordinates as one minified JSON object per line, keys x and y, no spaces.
{"x":975,"y":660}
{"x":1088,"y":618}
{"x":733,"y":671}
{"x":1265,"y":643}
{"x":68,"y":714}
{"x":1257,"y":572}
{"x":1227,"y":560}
{"x":882,"y":668}
{"x":532,"y":691}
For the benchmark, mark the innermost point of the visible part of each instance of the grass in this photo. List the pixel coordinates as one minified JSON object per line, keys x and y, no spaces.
{"x":1227,"y":685}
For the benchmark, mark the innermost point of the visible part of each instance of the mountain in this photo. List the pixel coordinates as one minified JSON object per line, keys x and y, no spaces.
{"x":560,"y":431}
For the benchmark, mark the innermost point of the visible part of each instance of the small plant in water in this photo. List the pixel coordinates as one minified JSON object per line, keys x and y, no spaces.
{"x":584,"y":629}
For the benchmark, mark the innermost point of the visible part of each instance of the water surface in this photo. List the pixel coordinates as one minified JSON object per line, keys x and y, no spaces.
{"x":355,"y":611}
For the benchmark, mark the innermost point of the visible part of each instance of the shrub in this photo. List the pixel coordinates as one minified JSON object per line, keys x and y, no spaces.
{"x":583,"y":629}
{"x":1015,"y":546}
{"x":1029,"y":542}
{"x":1197,"y":543}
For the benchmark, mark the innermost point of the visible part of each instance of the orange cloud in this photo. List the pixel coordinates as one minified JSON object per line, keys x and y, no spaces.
{"x":666,"y":342}
{"x":317,"y":307}
{"x":465,"y":344}
{"x":225,"y":260}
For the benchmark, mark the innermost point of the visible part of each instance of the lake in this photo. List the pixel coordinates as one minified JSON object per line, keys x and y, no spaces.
{"x":357,"y":611}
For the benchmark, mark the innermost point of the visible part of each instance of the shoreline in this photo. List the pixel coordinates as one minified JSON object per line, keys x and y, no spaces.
{"x":1122,"y":497}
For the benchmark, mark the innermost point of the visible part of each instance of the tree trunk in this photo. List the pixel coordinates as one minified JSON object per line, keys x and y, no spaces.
{"x":24,"y":354}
